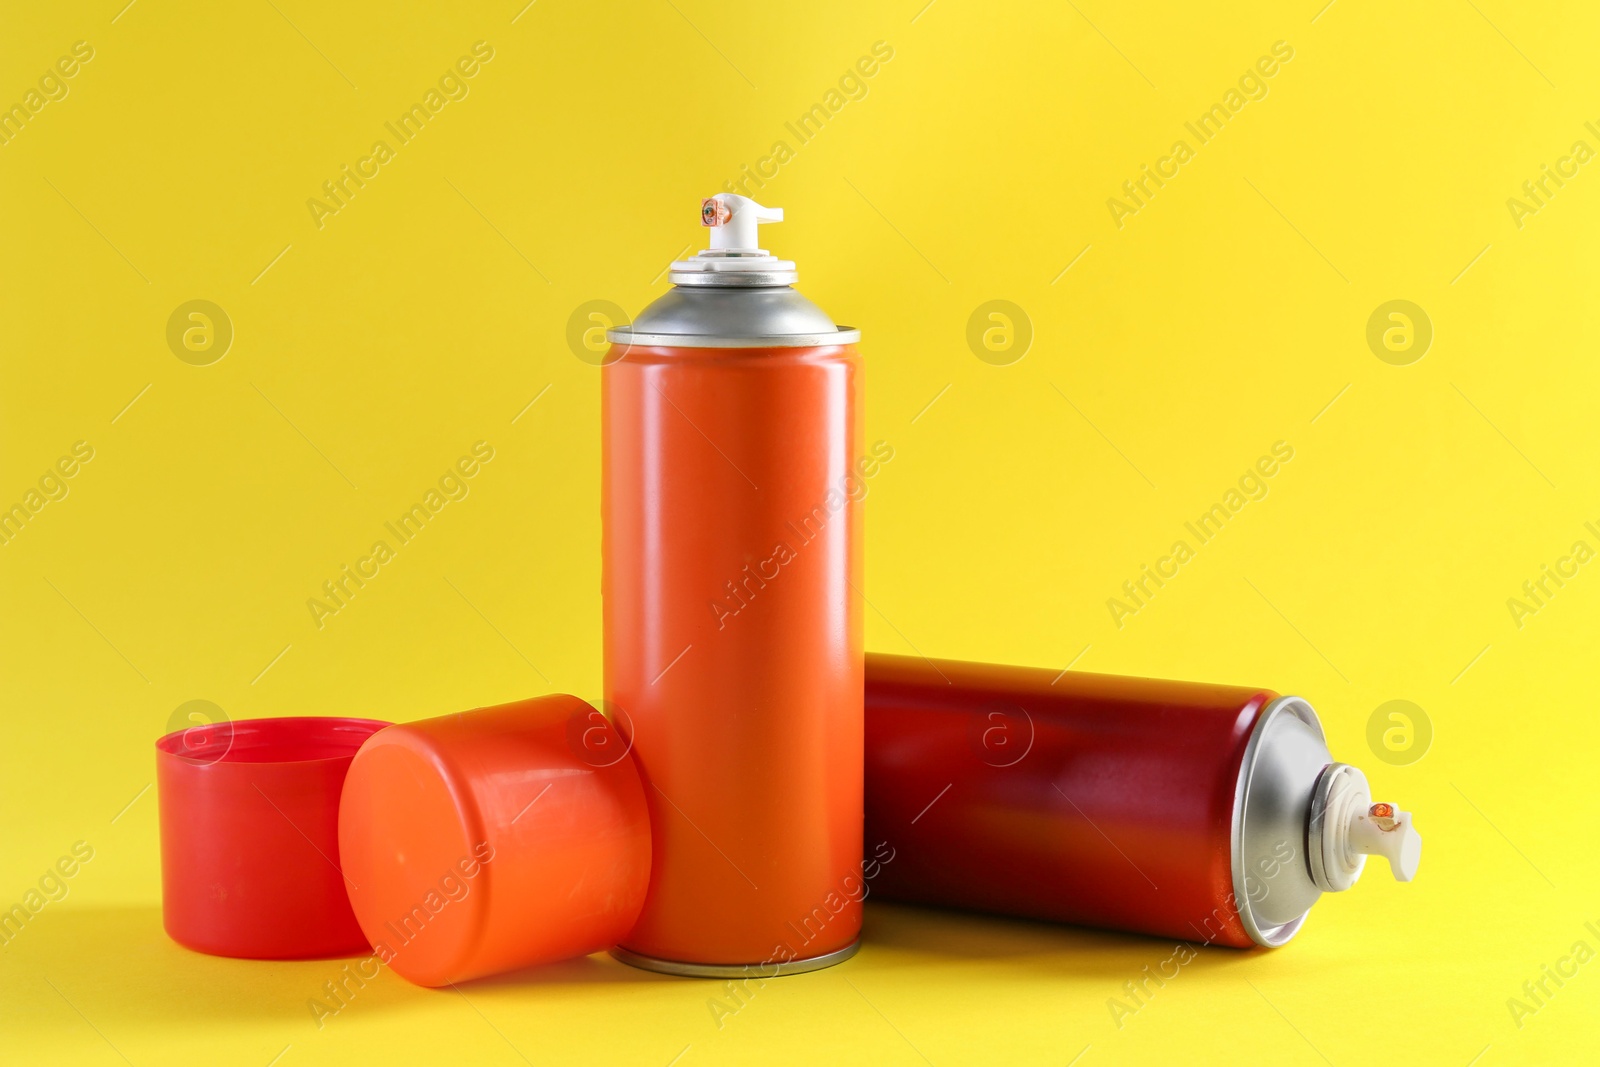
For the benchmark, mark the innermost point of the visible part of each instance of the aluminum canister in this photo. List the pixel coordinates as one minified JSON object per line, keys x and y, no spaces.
{"x":1210,"y":813}
{"x":731,"y":424}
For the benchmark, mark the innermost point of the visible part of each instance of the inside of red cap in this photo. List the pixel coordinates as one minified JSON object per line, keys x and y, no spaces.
{"x":285,"y":740}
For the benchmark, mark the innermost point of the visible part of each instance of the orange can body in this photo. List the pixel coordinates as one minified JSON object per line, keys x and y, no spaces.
{"x":733,"y":645}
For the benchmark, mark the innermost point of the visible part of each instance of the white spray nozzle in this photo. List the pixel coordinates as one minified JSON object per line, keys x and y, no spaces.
{"x":733,"y":219}
{"x":1386,"y":831}
{"x":1346,"y":827}
{"x":734,"y":258}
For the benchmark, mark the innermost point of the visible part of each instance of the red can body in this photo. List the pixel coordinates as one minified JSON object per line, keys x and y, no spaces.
{"x":733,"y":642}
{"x":1081,"y":798}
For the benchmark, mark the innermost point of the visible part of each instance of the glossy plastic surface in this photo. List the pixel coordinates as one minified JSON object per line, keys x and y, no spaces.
{"x":732,"y":557}
{"x":1081,"y":798}
{"x":494,"y":839}
{"x":249,"y":837}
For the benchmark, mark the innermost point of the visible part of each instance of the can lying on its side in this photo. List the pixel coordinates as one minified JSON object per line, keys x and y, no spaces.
{"x":1209,"y":813}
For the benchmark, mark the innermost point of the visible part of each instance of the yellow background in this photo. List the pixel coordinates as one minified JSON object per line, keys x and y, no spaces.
{"x":426,"y":315}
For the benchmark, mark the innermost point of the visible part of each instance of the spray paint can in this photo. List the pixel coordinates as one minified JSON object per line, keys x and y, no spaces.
{"x":1214,"y":814}
{"x":731,"y":427}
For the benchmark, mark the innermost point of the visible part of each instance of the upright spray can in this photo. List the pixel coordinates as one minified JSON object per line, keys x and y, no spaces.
{"x":1213,"y":814}
{"x":731,"y":427}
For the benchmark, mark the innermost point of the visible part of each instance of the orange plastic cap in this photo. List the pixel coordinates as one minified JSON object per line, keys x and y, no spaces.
{"x":494,"y":839}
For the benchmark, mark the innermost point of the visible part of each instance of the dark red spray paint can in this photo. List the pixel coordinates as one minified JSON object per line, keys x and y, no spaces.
{"x":1210,"y":813}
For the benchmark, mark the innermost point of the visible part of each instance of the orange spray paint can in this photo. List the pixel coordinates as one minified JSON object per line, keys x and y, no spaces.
{"x":731,"y":429}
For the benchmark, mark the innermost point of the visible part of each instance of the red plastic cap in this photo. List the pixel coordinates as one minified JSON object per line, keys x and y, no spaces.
{"x":249,"y":837}
{"x":495,"y":839}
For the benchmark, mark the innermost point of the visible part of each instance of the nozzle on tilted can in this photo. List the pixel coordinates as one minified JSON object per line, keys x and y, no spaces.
{"x":1345,"y":827}
{"x":1292,"y":790}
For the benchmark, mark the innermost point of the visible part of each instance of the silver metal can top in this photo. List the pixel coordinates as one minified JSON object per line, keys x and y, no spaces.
{"x":1304,"y":824}
{"x":733,"y":294}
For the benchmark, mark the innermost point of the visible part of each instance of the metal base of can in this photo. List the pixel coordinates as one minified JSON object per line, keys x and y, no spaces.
{"x":735,"y":970}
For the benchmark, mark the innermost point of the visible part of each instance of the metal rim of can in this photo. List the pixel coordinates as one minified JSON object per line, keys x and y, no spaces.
{"x":734,"y":970}
{"x":623,"y":335}
{"x":736,"y":279}
{"x":1274,"y":936}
